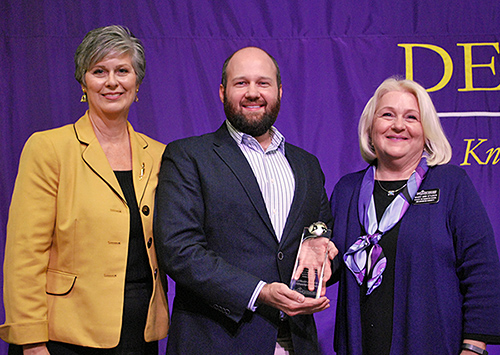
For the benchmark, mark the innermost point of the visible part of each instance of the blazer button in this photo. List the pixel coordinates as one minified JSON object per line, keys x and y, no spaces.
{"x":280,"y":255}
{"x":145,"y":210}
{"x":150,"y":242}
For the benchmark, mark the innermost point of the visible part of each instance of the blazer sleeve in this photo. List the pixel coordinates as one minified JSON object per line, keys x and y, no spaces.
{"x":478,"y":266}
{"x":180,"y":237}
{"x":29,"y":234}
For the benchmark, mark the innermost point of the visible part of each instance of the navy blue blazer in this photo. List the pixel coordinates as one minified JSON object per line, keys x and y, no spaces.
{"x":447,"y":272}
{"x":214,"y":238}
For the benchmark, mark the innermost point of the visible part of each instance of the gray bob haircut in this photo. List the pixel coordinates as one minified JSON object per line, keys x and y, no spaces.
{"x":102,"y":41}
{"x":436,"y":143}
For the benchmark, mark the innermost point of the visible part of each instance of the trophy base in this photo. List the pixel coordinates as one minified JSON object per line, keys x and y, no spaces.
{"x":302,"y":285}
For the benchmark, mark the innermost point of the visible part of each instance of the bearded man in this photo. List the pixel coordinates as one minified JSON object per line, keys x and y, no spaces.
{"x":231,"y":207}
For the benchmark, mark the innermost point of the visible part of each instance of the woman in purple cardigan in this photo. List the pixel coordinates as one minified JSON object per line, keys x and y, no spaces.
{"x":419,"y":270}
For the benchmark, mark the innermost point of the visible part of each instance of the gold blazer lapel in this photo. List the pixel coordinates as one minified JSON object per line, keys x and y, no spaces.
{"x":94,"y":156}
{"x":142,"y":163}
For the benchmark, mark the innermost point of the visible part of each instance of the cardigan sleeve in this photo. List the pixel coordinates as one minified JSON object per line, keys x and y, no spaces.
{"x":29,"y":235}
{"x":477,"y":265}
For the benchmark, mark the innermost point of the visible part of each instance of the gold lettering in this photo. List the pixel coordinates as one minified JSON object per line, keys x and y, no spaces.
{"x":469,"y":85}
{"x":471,"y":152}
{"x":448,"y":63}
{"x":492,"y":151}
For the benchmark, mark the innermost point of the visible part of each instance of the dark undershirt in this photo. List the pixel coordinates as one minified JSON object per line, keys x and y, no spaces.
{"x":138,"y":269}
{"x":377,"y":308}
{"x":138,"y":279}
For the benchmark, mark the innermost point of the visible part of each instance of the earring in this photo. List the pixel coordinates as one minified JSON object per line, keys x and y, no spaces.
{"x":136,"y":97}
{"x":84,"y":97}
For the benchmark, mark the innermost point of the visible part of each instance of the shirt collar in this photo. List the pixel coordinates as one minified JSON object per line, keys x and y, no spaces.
{"x":277,"y":141}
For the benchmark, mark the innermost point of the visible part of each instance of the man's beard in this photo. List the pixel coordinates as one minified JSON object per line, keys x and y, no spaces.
{"x":252,"y":124}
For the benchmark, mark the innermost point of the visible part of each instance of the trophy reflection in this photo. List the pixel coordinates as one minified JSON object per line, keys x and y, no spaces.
{"x":307,"y":277}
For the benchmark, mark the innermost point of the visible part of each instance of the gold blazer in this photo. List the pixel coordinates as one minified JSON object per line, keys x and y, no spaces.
{"x":67,"y":240}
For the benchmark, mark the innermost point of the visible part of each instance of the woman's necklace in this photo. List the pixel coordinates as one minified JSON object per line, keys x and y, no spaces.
{"x":391,"y":192}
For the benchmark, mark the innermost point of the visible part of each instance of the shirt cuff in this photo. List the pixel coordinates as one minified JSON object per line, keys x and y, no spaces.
{"x":251,"y":304}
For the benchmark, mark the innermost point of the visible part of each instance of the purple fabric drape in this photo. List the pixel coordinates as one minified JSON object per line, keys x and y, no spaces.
{"x":332,"y":55}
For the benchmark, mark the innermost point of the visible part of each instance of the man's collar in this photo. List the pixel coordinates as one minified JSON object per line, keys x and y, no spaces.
{"x":277,"y":139}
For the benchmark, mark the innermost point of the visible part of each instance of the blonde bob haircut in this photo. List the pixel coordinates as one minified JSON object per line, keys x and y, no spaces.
{"x":436,"y":144}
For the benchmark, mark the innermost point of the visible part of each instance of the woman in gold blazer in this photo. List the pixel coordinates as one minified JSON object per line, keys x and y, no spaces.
{"x":80,"y":267}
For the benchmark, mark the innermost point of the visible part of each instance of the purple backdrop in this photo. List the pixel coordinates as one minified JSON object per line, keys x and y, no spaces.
{"x":332,"y":54}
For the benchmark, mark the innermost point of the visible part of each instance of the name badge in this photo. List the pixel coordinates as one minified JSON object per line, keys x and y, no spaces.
{"x":426,"y":196}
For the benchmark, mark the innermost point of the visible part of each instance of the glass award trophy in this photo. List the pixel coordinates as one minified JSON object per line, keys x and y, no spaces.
{"x":307,"y":277}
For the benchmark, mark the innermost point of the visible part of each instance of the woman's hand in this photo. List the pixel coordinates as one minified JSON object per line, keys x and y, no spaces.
{"x":36,"y":349}
{"x":479,"y":344}
{"x":313,"y":254}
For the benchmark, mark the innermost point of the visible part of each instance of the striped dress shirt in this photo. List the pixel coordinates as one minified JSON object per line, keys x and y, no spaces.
{"x":275,"y":178}
{"x":273,"y":173}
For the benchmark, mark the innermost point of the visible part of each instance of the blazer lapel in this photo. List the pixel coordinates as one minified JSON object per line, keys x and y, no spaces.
{"x":299,"y":195}
{"x":142,"y":163}
{"x":227,"y":149}
{"x":94,"y":156}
